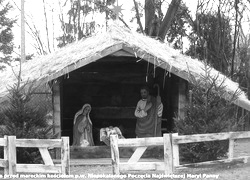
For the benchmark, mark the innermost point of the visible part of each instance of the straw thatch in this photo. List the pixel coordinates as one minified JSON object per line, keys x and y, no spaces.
{"x":46,"y":68}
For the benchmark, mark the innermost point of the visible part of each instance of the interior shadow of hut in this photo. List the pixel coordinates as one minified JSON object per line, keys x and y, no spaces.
{"x":112,"y":87}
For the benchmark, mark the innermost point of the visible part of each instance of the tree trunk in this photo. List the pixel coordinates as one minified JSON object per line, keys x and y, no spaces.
{"x":235,"y":36}
{"x":171,"y":12}
{"x":149,"y":15}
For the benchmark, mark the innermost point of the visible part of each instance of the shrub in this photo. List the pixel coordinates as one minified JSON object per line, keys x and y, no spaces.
{"x":207,"y":112}
{"x":22,"y":119}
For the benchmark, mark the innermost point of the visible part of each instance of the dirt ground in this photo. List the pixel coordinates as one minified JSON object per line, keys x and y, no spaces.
{"x":221,"y":172}
{"x":237,"y":171}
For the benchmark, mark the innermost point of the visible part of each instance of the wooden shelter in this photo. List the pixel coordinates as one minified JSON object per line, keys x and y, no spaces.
{"x":107,"y":71}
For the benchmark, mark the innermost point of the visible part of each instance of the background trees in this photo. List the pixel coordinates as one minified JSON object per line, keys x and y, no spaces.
{"x":6,"y":35}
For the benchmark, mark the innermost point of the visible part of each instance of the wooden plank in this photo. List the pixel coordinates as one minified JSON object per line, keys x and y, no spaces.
{"x":38,"y":143}
{"x":57,"y":113}
{"x":3,"y":163}
{"x":65,"y":155}
{"x":182,"y":99}
{"x":143,"y":166}
{"x":37,"y":168}
{"x":231,"y":148}
{"x":200,"y":138}
{"x":46,"y":156}
{"x":57,"y":109}
{"x":12,"y":154}
{"x":115,"y":154}
{"x":137,"y":142}
{"x":168,"y":153}
{"x":57,"y":124}
{"x":243,"y":159}
{"x":210,"y":137}
{"x":176,"y":151}
{"x":137,"y":154}
{"x":56,"y":99}
{"x":3,"y":142}
{"x":240,"y":135}
{"x":122,"y":53}
{"x":5,"y":155}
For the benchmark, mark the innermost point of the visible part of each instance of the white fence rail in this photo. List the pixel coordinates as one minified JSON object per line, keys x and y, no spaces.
{"x":10,"y":143}
{"x":170,"y":142}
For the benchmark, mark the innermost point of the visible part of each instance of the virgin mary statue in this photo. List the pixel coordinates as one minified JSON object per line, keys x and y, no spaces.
{"x":82,"y":131}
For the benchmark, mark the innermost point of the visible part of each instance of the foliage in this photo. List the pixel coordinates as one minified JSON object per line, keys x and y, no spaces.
{"x":24,"y":120}
{"x":243,"y":74}
{"x":207,"y":112}
{"x":211,"y":39}
{"x":6,"y":35}
{"x":178,"y":28}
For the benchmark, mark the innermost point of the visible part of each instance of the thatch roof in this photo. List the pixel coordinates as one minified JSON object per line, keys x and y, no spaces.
{"x":46,"y":68}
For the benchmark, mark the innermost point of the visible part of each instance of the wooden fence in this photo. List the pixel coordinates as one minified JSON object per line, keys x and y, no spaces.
{"x":171,"y":150}
{"x":10,"y":143}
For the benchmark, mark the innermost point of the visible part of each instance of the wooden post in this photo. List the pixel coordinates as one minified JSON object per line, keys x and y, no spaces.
{"x":11,"y":154}
{"x":56,"y":114}
{"x":168,"y":153}
{"x":5,"y":156}
{"x":182,"y":99}
{"x":114,"y":154}
{"x":65,"y":155}
{"x":231,"y":147}
{"x":175,"y":151}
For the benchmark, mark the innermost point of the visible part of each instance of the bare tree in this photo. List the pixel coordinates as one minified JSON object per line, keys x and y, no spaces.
{"x":46,"y":26}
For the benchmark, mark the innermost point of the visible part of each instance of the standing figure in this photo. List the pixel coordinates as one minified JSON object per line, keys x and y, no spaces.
{"x":148,"y":112}
{"x":82,"y":131}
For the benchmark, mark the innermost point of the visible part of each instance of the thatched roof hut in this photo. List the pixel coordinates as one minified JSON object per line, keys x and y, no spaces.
{"x":46,"y":68}
{"x":102,"y":47}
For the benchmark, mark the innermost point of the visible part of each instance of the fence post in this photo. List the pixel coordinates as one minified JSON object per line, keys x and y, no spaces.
{"x":114,"y":154}
{"x":231,"y":147}
{"x":65,"y":155}
{"x":11,"y":154}
{"x":168,"y":153}
{"x":175,"y":150}
{"x":5,"y":156}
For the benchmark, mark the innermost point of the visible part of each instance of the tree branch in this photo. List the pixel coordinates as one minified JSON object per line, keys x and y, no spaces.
{"x":46,"y":25}
{"x":138,"y":17}
{"x":166,"y":23}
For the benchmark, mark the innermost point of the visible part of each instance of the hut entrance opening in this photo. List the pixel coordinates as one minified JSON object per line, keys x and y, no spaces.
{"x":111,"y":86}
